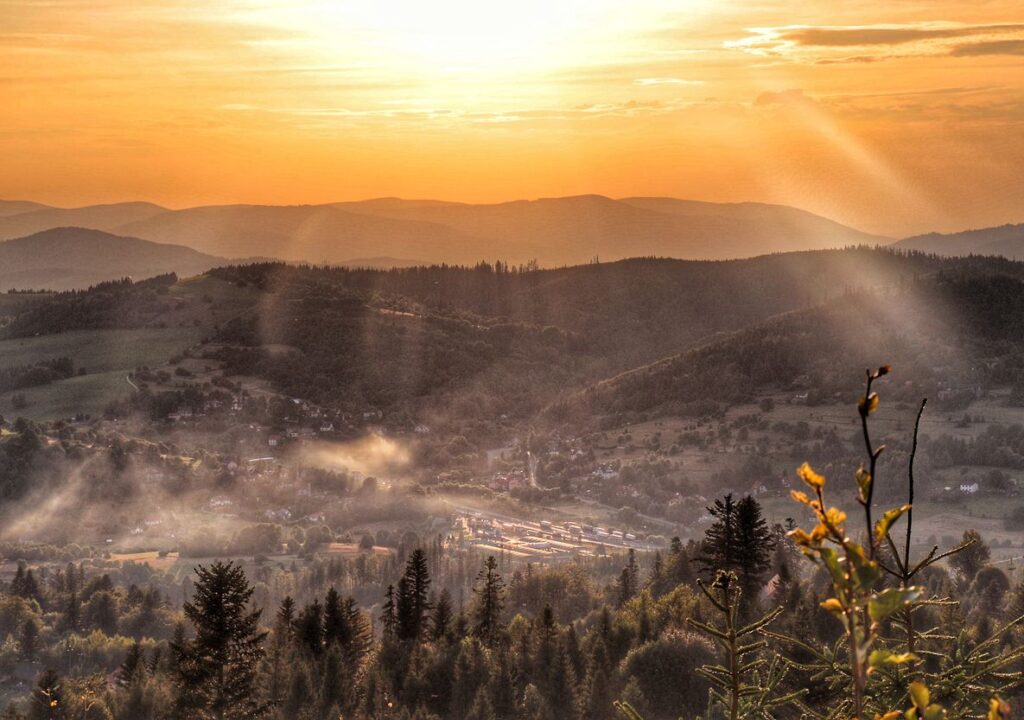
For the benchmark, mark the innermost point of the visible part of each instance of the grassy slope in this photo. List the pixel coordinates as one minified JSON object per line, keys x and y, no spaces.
{"x":108,"y":355}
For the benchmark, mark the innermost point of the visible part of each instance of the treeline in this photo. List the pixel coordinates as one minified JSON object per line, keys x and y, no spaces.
{"x":114,"y":304}
{"x":43,"y":372}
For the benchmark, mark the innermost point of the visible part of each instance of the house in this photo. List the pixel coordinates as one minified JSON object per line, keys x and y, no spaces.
{"x":969,"y":489}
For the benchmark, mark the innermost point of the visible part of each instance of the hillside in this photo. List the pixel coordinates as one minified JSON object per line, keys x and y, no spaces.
{"x":1005,"y":240}
{"x":469,"y":345}
{"x":950,"y":333}
{"x":71,"y":257}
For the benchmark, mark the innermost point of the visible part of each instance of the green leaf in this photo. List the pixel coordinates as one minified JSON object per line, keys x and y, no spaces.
{"x":885,"y":603}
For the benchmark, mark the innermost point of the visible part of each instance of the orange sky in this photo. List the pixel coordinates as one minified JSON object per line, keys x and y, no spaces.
{"x":896,"y":117}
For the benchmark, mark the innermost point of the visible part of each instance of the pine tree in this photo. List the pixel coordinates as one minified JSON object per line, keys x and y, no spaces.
{"x":132,"y":669}
{"x":284,"y":626}
{"x":310,"y":628}
{"x":72,"y":612}
{"x":217,"y":676}
{"x":29,"y":636}
{"x":754,"y":546}
{"x":718,"y":551}
{"x":739,"y":541}
{"x":490,"y":592}
{"x":389,"y":613}
{"x":597,"y":692}
{"x":412,"y":601}
{"x":335,"y":630}
{"x":441,"y":619}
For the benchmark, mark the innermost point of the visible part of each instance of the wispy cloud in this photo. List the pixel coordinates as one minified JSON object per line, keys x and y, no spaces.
{"x":666,"y":81}
{"x":832,"y":44}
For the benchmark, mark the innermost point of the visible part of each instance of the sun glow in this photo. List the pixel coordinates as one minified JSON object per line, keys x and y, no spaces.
{"x":462,"y":37}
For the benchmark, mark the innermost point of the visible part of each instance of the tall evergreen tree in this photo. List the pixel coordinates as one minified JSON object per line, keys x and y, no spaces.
{"x":441,"y":619}
{"x":389,"y":613}
{"x":490,"y":594}
{"x":754,"y":546}
{"x":335,"y":622}
{"x":412,"y":602}
{"x":738,"y":541}
{"x":310,"y":628}
{"x":718,"y":551}
{"x":217,"y":677}
{"x":629,"y":579}
{"x":133,"y":668}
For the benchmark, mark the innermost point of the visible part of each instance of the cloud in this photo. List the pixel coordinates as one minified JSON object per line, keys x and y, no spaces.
{"x":666,"y":81}
{"x":831,"y":44}
{"x":995,"y":47}
{"x":886,"y":35}
{"x":780,"y":98}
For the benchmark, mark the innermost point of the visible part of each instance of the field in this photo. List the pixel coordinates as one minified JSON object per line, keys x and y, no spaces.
{"x":106,"y":355}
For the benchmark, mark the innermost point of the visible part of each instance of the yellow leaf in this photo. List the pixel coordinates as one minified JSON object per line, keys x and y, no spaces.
{"x":835,"y":517}
{"x":997,"y":709}
{"x":800,"y":497}
{"x":919,"y":695}
{"x":832,"y":605}
{"x":869,"y":404}
{"x":810,"y":477}
{"x":863,"y":482}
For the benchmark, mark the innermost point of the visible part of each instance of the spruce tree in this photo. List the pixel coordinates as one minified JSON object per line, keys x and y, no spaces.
{"x":441,"y":619}
{"x":738,"y":541}
{"x":754,"y":546}
{"x":718,"y":551}
{"x":389,"y":613}
{"x":335,"y":630}
{"x":29,"y":636}
{"x":490,"y":593}
{"x":310,"y":628}
{"x":133,"y":668}
{"x":412,"y":598}
{"x":217,"y":675}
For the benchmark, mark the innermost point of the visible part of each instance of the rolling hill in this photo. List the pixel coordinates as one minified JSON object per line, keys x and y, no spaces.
{"x":553,"y":231}
{"x":1005,"y":240}
{"x":573,"y":230}
{"x":313,"y":233}
{"x":93,"y":217}
{"x":70,"y":257}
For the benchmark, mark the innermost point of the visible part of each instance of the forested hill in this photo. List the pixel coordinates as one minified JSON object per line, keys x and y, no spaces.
{"x":631,"y":311}
{"x":951,"y":333}
{"x":468,"y":345}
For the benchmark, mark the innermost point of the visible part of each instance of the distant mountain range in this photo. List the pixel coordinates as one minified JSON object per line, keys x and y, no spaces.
{"x":392,"y":232}
{"x":72,"y":257}
{"x":553,"y":231}
{"x":1005,"y":240}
